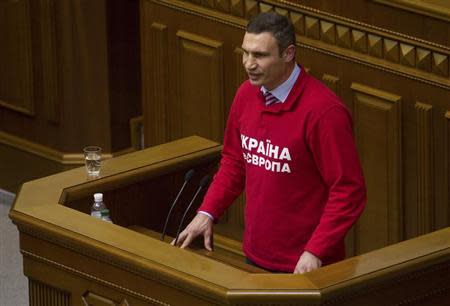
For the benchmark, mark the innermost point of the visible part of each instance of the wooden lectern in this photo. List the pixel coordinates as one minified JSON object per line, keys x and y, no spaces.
{"x":71,"y":258}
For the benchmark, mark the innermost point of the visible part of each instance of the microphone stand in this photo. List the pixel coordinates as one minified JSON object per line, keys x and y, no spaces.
{"x":187,"y":178}
{"x":203,"y":183}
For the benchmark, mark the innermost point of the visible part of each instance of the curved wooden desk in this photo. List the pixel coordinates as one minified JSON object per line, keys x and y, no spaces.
{"x":71,"y":258}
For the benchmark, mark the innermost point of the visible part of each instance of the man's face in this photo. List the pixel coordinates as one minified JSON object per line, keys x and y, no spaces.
{"x":262,"y":60}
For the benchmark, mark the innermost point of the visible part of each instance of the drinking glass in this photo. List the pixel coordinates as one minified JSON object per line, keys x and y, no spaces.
{"x":92,"y":159}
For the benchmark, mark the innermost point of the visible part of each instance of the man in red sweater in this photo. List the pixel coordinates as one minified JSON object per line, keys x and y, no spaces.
{"x":289,"y":143}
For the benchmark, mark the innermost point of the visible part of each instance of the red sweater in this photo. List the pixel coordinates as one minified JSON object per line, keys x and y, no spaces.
{"x":300,"y":168}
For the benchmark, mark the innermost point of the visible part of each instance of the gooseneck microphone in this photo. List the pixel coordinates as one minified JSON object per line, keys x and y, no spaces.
{"x":203,"y":183}
{"x":187,"y":178}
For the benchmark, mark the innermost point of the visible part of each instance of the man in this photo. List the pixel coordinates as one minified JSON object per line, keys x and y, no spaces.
{"x":289,"y":142}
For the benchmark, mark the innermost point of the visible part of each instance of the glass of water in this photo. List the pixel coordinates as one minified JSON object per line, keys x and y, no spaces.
{"x":92,"y":159}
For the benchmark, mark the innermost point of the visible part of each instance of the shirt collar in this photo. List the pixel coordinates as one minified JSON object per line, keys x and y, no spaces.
{"x":282,"y":91}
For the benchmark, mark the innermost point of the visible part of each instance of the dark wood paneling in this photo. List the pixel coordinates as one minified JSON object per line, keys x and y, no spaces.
{"x":425,"y":169}
{"x":18,"y":167}
{"x":378,"y":136}
{"x":332,"y":82}
{"x":69,"y":76}
{"x":124,"y":69}
{"x":50,"y":85}
{"x":199,"y":108}
{"x":157,"y":65}
{"x":16,"y":66}
{"x":241,"y":75}
{"x":74,"y":65}
{"x":446,"y":180}
{"x":441,"y":188}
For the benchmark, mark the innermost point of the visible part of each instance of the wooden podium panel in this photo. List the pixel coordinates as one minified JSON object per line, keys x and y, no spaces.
{"x":71,"y":258}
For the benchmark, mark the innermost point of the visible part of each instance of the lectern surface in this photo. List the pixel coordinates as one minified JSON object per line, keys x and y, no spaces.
{"x":71,"y":258}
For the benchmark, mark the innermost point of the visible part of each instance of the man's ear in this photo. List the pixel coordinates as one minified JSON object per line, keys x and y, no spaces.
{"x":289,"y":53}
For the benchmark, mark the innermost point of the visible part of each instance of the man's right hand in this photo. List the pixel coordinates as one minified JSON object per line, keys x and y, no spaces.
{"x":201,"y":224}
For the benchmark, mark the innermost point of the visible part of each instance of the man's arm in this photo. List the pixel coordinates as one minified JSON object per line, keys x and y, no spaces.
{"x":332,"y":145}
{"x":226,"y":186}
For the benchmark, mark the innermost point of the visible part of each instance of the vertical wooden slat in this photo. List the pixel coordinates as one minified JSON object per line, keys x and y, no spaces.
{"x":446,"y":167}
{"x":156,"y":96}
{"x":425,"y":173}
{"x":49,"y":61}
{"x":44,"y":295}
{"x":240,"y":75}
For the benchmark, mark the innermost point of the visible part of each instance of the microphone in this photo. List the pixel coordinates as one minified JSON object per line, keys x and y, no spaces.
{"x":203,"y":183}
{"x":187,"y":178}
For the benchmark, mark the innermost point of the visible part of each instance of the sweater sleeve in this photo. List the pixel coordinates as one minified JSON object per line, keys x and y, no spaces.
{"x":229,"y":181}
{"x":334,"y":151}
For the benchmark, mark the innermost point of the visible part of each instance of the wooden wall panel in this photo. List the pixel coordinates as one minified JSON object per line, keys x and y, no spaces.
{"x":199,"y":108}
{"x":51,"y":98}
{"x":241,"y":74}
{"x":124,"y":70}
{"x":16,"y":66}
{"x":157,"y":65}
{"x":425,"y":168}
{"x":378,"y":136}
{"x":446,"y":168}
{"x":441,"y":159}
{"x":69,"y":76}
{"x":332,"y":82}
{"x":60,"y":60}
{"x":16,"y":163}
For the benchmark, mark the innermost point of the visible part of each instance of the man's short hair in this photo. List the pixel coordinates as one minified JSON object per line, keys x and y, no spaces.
{"x":280,"y":27}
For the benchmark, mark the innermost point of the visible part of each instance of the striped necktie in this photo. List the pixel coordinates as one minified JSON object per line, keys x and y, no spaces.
{"x":270,"y":99}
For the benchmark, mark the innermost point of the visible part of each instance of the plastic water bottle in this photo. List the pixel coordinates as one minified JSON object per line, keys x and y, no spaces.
{"x":105,"y":215}
{"x":98,"y":206}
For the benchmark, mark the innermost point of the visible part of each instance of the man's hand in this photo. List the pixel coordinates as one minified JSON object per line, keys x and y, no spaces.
{"x":201,"y":224}
{"x":307,"y":263}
